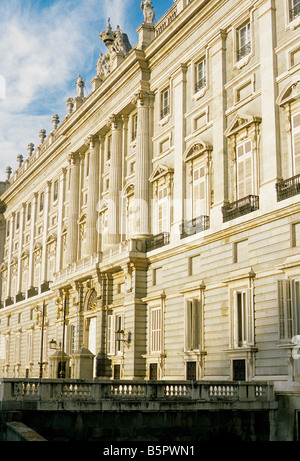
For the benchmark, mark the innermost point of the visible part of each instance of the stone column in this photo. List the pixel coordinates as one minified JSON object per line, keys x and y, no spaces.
{"x":72,"y":235}
{"x":60,"y":218}
{"x":115,"y":179}
{"x":32,"y":238}
{"x":269,"y":140}
{"x":45,"y":232}
{"x":93,"y":195}
{"x":217,"y":63}
{"x":179,"y":85}
{"x":142,"y":165}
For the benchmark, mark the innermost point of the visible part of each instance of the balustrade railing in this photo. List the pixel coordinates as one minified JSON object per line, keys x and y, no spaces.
{"x":194,"y":226}
{"x":76,"y":392}
{"x":288,"y":187}
{"x":157,"y":241}
{"x":240,"y":207}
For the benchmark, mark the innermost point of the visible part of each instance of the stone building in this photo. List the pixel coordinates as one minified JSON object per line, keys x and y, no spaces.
{"x":159,"y":223}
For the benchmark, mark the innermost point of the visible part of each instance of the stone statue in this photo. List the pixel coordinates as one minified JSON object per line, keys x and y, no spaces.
{"x":102,"y":66}
{"x":149,"y":14}
{"x":80,"y":86}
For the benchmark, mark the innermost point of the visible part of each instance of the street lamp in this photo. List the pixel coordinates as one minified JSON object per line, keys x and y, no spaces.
{"x":62,"y":306}
{"x":41,"y":311}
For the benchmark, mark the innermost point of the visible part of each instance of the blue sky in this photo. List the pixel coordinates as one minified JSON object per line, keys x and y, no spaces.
{"x":44,"y":45}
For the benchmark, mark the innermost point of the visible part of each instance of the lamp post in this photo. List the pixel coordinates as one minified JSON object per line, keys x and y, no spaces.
{"x":62,"y":306}
{"x":43,"y":312}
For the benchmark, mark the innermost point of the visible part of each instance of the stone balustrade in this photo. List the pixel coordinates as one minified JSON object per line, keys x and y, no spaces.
{"x":72,"y":395}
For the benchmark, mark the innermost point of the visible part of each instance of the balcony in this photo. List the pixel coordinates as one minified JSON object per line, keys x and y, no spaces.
{"x":294,"y":11}
{"x":157,"y":241}
{"x":240,"y":207}
{"x":288,"y":188}
{"x":194,"y":226}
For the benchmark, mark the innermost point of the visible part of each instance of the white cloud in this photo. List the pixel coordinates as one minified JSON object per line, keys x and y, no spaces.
{"x":43,"y":49}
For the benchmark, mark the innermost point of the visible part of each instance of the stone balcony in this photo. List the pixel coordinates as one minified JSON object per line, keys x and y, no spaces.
{"x":105,"y":395}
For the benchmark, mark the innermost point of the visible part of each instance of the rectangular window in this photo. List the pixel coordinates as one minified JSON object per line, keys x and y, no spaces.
{"x":28,"y":211}
{"x":42,"y":196}
{"x":155,"y":329}
{"x":110,"y":335}
{"x":200,"y":75}
{"x":296,"y":142}
{"x":163,"y":221}
{"x":243,"y":334}
{"x":294,"y":9}
{"x":55,"y":191}
{"x":118,"y":329}
{"x":289,"y":308}
{"x":244,"y":169}
{"x":165,"y":103}
{"x":199,"y":191}
{"x":193,"y":324}
{"x":296,"y":234}
{"x":130,"y":216}
{"x":240,"y":251}
{"x":134,"y":127}
{"x":244,"y":41}
{"x":18,"y":221}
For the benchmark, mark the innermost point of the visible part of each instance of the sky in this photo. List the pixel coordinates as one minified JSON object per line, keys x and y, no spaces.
{"x":44,"y":45}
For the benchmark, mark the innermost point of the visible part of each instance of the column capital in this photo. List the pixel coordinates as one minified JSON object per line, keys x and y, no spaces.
{"x":139,"y":98}
{"x":91,"y":140}
{"x":73,"y":158}
{"x":114,"y":122}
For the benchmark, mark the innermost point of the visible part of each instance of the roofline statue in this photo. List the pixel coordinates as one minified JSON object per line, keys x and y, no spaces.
{"x":149,"y":14}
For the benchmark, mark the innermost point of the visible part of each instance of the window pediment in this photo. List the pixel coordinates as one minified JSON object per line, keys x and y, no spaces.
{"x":160,"y":171}
{"x":103,"y":206}
{"x":240,"y":122}
{"x":197,"y":149}
{"x":290,"y":93}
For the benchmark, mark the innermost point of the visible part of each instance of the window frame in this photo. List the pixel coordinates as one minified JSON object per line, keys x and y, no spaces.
{"x":288,"y":309}
{"x":243,"y":326}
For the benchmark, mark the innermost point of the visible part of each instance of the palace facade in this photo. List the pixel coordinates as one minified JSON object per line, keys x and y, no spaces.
{"x":156,"y":229}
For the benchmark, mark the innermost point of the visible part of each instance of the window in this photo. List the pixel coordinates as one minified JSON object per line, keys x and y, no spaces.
{"x":289,"y":308}
{"x":194,"y":265}
{"x":294,"y":9}
{"x":296,"y":142}
{"x":114,"y":342}
{"x":199,"y":191}
{"x":134,"y":127}
{"x":200,"y":80}
{"x":244,"y":41}
{"x":18,"y":221}
{"x":243,"y":317}
{"x":244,"y":169}
{"x":155,"y":329}
{"x":108,"y":153}
{"x":193,"y":324}
{"x":104,"y":228}
{"x":296,"y":234}
{"x":130,"y":228}
{"x":28,"y":211}
{"x":240,"y":251}
{"x":163,"y":223}
{"x":157,"y":276}
{"x":42,"y":197}
{"x":55,"y":191}
{"x":165,"y":103}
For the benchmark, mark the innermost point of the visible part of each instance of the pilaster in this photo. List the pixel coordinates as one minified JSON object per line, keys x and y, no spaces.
{"x":115,"y":179}
{"x":93,"y":195}
{"x":72,"y":235}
